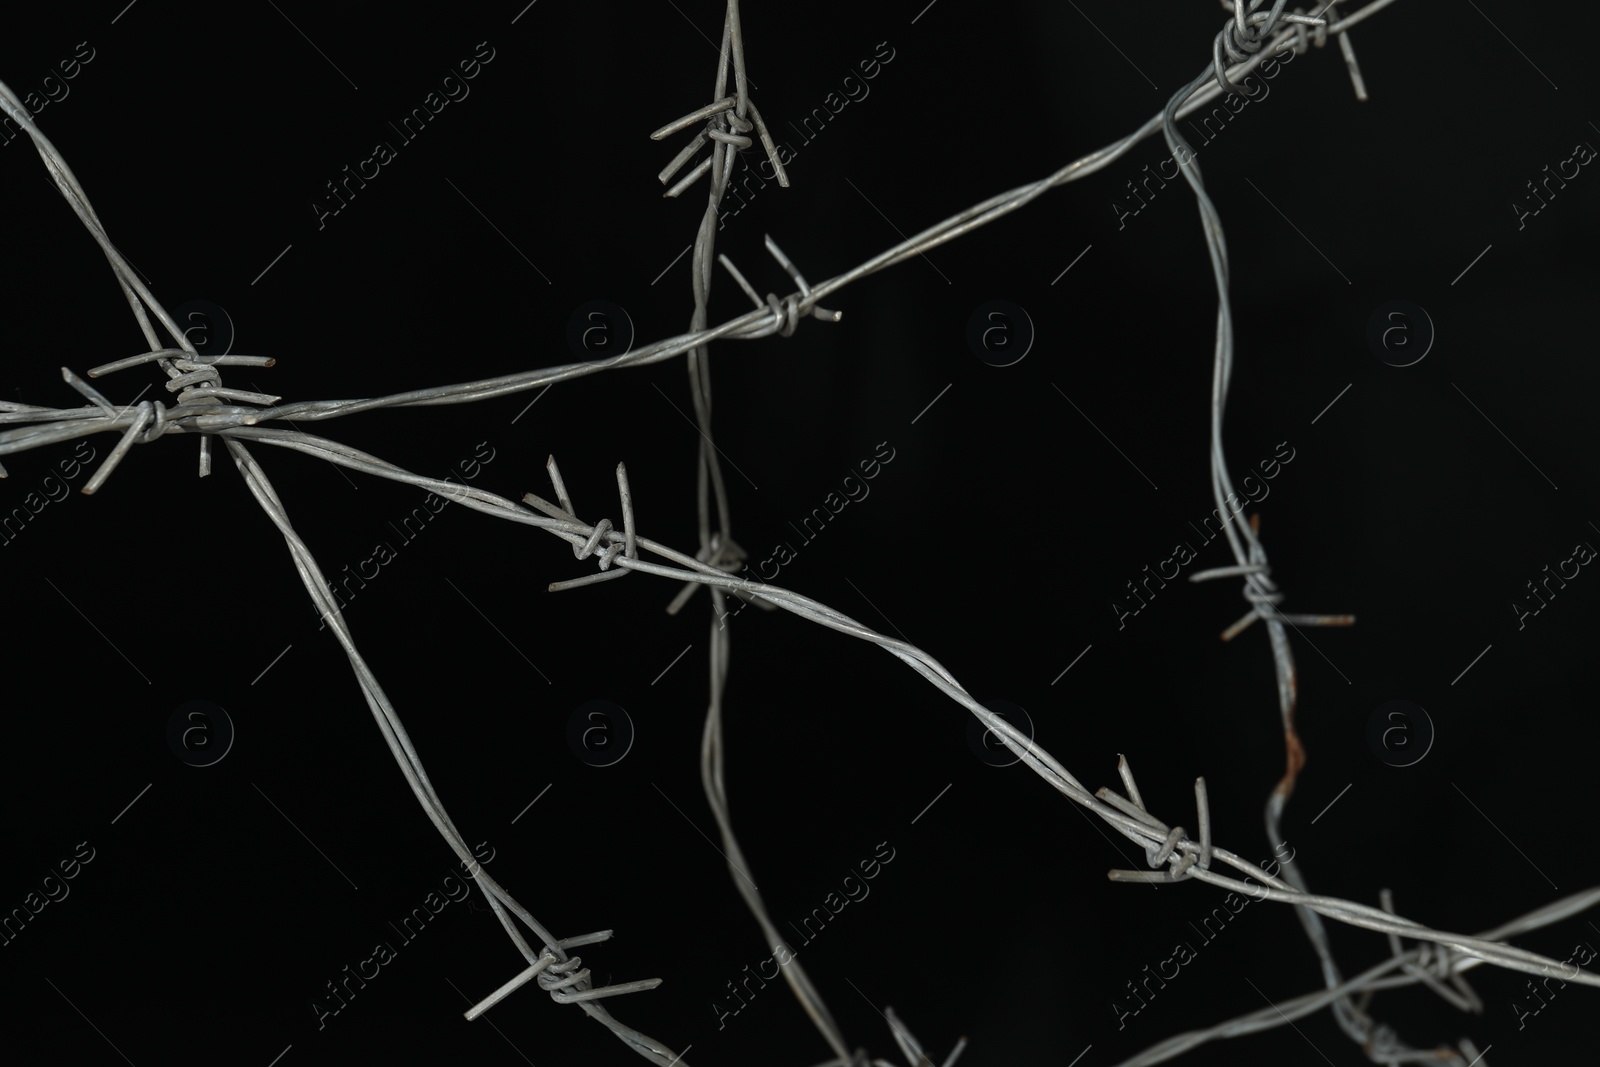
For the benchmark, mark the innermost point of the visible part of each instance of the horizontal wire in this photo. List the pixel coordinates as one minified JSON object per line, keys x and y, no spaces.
{"x":196,"y":377}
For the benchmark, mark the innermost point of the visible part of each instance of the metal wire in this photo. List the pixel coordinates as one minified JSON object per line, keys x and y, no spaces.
{"x":1239,"y":40}
{"x":204,"y":407}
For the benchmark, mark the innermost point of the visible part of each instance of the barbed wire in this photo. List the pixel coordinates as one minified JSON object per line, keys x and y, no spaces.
{"x":205,"y":407}
{"x":750,"y":325}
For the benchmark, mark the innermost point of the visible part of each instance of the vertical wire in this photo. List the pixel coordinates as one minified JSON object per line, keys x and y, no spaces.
{"x":722,"y":550}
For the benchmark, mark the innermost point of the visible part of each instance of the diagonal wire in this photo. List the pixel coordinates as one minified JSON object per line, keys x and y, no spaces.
{"x":202,"y":409}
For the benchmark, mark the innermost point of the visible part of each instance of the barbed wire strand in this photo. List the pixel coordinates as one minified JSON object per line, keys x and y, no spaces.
{"x":1162,"y":843}
{"x":726,"y":129}
{"x":1242,"y":37}
{"x":238,"y":422}
{"x":556,"y":972}
{"x":750,"y":325}
{"x":1415,"y":961}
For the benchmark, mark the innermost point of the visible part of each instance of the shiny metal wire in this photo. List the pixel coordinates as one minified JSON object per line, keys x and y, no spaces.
{"x":205,"y":408}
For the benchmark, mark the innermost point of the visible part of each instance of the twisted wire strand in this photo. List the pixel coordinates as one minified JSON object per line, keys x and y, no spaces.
{"x":197,"y":383}
{"x":1242,"y":37}
{"x":1162,"y":844}
{"x":725,"y":128}
{"x":399,"y":742}
{"x":196,"y":374}
{"x":1369,"y":981}
{"x":739,"y":327}
{"x":1141,"y":827}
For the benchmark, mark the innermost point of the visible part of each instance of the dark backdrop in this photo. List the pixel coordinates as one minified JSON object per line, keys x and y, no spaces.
{"x":1010,"y":509}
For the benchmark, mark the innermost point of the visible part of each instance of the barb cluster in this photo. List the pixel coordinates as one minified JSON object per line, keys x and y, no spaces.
{"x":1233,"y":37}
{"x":207,"y":408}
{"x":1243,"y":37}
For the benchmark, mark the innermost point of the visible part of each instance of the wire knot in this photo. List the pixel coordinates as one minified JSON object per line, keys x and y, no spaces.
{"x":788,"y":313}
{"x":599,"y":540}
{"x":1174,"y":844}
{"x":1263,"y":596}
{"x":1258,"y":587}
{"x":559,"y":975}
{"x":724,"y":125}
{"x":729,"y":128}
{"x":1242,"y":37}
{"x":144,"y":422}
{"x":1298,"y":23}
{"x":195,"y":379}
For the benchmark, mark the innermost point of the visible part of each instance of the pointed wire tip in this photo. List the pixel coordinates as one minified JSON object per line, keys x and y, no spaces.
{"x":586,"y":939}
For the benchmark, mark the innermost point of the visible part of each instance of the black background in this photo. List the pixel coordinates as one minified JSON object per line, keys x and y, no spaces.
{"x":218,"y":905}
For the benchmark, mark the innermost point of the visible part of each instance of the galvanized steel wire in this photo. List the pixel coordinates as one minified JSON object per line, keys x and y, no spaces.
{"x":204,"y":407}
